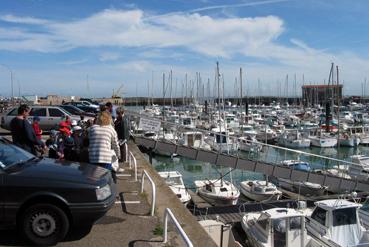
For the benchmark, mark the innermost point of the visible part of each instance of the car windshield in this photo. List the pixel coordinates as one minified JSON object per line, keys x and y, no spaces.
{"x":11,"y":155}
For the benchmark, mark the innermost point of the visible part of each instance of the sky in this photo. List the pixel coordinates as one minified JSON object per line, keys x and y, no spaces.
{"x":91,"y":47}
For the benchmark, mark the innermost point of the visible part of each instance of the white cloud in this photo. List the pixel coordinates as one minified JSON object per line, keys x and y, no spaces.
{"x":195,"y":32}
{"x":23,"y":20}
{"x":74,"y":62}
{"x":108,"y":56}
{"x":206,"y":36}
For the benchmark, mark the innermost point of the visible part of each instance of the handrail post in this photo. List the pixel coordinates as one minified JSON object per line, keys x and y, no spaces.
{"x":126,"y":153}
{"x":133,"y":158}
{"x":169,"y":213}
{"x":144,"y":173}
{"x":130,"y":161}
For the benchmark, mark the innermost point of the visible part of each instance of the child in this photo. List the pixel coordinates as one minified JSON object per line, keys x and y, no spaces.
{"x":36,"y":127}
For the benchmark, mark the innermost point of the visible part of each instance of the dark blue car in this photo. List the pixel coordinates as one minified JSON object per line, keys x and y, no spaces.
{"x":46,"y":198}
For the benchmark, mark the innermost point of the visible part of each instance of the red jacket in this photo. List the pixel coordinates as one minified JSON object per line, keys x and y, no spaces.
{"x":36,"y":128}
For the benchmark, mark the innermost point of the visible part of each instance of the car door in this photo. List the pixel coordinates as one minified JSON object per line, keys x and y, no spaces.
{"x":55,"y":116}
{"x":41,"y":113}
{"x":5,"y":120}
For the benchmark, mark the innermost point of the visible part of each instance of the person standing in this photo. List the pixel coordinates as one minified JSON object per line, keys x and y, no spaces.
{"x":36,"y":127}
{"x":103,"y":141}
{"x":22,"y":132}
{"x":121,"y":126}
{"x":110,"y":108}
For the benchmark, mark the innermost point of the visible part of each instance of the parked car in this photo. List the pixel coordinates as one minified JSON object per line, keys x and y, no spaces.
{"x":50,"y":116}
{"x":90,"y":100}
{"x":46,"y":199}
{"x":83,"y":107}
{"x":76,"y":111}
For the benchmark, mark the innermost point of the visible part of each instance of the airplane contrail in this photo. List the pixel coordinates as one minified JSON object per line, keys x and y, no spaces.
{"x":218,"y":7}
{"x":237,"y":5}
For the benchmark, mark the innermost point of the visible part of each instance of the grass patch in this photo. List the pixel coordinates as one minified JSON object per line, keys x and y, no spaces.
{"x":158,"y":231}
{"x":143,"y":195}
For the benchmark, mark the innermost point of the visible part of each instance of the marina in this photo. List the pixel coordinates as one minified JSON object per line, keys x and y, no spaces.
{"x":209,"y":123}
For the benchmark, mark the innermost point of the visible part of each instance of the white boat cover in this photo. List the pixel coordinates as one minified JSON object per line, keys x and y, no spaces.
{"x":346,"y":235}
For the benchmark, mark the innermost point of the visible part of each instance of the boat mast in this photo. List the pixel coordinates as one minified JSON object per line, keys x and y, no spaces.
{"x":241,"y":101}
{"x":338,"y":113}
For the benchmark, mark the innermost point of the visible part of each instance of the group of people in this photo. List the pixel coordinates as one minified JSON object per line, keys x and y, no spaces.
{"x":98,"y":141}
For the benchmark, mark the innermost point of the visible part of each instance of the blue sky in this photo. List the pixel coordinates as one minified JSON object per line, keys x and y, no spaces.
{"x":52,"y":47}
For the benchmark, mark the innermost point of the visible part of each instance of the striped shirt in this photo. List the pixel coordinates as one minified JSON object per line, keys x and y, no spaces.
{"x":103,"y":139}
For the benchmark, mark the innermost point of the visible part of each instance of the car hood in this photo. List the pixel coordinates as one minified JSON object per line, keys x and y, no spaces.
{"x":55,"y":170}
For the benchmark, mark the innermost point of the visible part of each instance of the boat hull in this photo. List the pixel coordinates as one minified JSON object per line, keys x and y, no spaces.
{"x":323,"y":143}
{"x":295,"y":144}
{"x":301,"y":188}
{"x":217,"y":200}
{"x":258,"y":197}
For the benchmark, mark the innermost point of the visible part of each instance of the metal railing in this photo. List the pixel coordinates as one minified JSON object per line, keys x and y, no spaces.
{"x":132,"y":159}
{"x":168,"y":213}
{"x":126,"y":152}
{"x":153,"y":189}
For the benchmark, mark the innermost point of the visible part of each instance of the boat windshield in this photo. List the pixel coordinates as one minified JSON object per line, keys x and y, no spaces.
{"x":365,"y":206}
{"x":319,"y":215}
{"x":344,"y":216}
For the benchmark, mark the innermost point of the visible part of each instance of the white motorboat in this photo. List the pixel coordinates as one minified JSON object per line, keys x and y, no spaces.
{"x":194,"y":139}
{"x":167,"y":136}
{"x":300,"y":187}
{"x":220,"y":141}
{"x":293,"y":140}
{"x":361,"y":168}
{"x":361,"y":131}
{"x":335,"y":222}
{"x":348,"y":140}
{"x":175,"y":182}
{"x":248,"y":130}
{"x":249,"y":144}
{"x":187,"y":122}
{"x":265,"y":133}
{"x":232,"y":121}
{"x":260,"y":190}
{"x":322,"y":141}
{"x":217,"y":191}
{"x":276,"y":227}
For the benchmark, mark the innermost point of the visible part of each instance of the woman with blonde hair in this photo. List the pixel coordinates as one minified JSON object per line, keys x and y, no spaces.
{"x":103,"y":139}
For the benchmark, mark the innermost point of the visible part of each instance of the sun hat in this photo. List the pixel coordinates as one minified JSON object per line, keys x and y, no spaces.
{"x":76,"y":128}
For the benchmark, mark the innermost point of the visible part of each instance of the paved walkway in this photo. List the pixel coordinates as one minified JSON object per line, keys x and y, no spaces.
{"x":129,"y":222}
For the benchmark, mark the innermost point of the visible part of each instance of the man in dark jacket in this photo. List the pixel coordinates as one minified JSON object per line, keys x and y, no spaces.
{"x":22,"y":132}
{"x":121,"y":126}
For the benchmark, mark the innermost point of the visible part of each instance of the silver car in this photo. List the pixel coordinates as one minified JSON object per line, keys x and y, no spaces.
{"x":50,"y":116}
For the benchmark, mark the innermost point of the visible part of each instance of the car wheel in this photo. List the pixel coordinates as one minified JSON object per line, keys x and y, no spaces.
{"x":44,"y":224}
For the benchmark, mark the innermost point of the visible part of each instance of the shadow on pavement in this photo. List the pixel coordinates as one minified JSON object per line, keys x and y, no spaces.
{"x":134,"y":242}
{"x":13,"y":238}
{"x":124,"y":208}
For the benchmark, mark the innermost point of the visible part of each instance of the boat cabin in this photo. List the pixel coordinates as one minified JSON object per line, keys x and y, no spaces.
{"x":277,"y":227}
{"x":297,"y":165}
{"x":336,"y":222}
